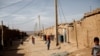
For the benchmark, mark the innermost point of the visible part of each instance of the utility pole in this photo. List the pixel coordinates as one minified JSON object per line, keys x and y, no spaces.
{"x":87,"y":38}
{"x":43,"y":28}
{"x":90,"y":8}
{"x":2,"y":39}
{"x":21,"y":35}
{"x":76,"y":33}
{"x":65,"y":34}
{"x":68,"y":34}
{"x":35,"y":28}
{"x":56,"y":21}
{"x":39,"y":22}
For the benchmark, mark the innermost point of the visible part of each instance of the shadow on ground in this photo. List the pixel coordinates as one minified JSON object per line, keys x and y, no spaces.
{"x":13,"y":50}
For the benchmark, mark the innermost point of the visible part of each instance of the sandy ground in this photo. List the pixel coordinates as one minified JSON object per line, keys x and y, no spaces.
{"x":40,"y":49}
{"x":82,"y":52}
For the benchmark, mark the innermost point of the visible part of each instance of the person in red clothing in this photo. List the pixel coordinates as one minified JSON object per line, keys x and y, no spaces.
{"x":33,"y":40}
{"x":48,"y":42}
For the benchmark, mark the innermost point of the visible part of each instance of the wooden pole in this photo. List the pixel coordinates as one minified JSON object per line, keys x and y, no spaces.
{"x":68,"y":34}
{"x":90,"y":8}
{"x":56,"y":21}
{"x":76,"y":33}
{"x":21,"y":37}
{"x":36,"y":28}
{"x":43,"y":28}
{"x":65,"y":34}
{"x":39,"y":22}
{"x":87,"y":39}
{"x":2,"y":40}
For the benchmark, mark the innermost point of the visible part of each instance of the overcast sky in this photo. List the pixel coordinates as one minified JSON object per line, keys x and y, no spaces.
{"x":23,"y":14}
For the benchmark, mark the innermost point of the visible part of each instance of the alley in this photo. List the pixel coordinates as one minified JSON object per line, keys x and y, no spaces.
{"x":40,"y":48}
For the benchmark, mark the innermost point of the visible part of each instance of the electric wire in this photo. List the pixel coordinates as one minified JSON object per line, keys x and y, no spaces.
{"x":60,"y":5}
{"x":11,"y":4}
{"x":25,"y":22}
{"x":18,"y":10}
{"x":60,"y":19}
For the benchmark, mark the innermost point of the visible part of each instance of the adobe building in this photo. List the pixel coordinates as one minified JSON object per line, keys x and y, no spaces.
{"x":80,"y":32}
{"x":86,"y":29}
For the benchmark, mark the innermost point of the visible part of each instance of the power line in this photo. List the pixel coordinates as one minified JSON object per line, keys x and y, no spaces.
{"x":62,"y":11}
{"x":60,"y":20}
{"x":25,"y":22}
{"x":21,"y":9}
{"x":47,"y":4}
{"x":11,"y":4}
{"x":18,"y":9}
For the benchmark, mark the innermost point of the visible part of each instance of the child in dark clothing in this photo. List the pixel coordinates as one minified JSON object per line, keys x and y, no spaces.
{"x":96,"y":48}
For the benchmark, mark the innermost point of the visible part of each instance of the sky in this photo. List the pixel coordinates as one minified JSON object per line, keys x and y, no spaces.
{"x":23,"y":14}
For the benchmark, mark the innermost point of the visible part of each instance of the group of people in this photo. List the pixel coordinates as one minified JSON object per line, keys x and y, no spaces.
{"x":46,"y":38}
{"x":95,"y":49}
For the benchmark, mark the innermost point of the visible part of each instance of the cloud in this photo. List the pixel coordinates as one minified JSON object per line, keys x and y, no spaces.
{"x":43,"y":8}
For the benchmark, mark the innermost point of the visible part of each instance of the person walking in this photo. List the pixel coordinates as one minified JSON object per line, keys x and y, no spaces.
{"x":33,"y":40}
{"x":48,"y":42}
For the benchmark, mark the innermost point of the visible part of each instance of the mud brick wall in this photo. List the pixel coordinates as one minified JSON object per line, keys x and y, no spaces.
{"x":84,"y":30}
